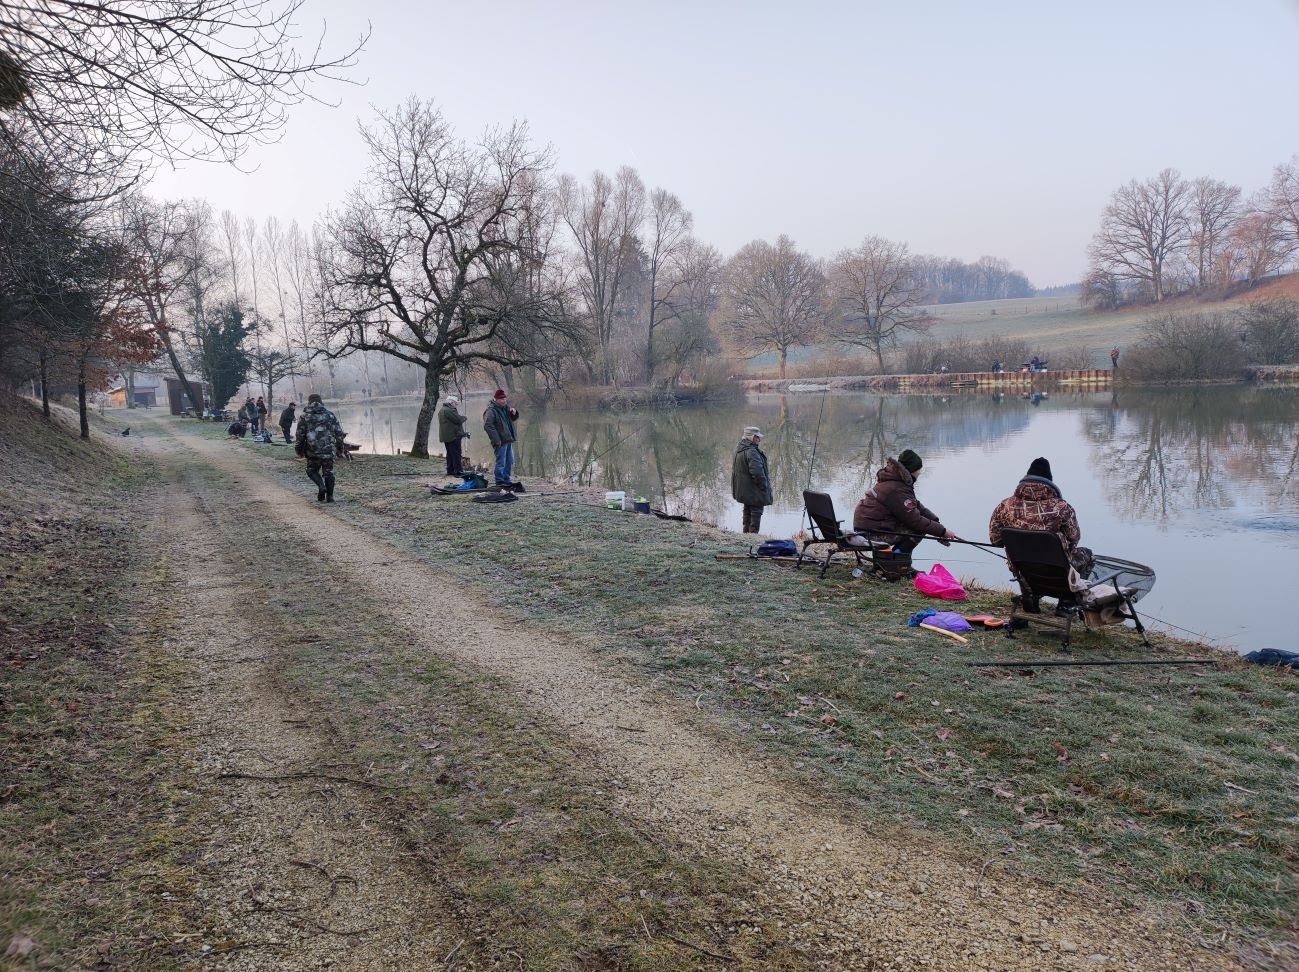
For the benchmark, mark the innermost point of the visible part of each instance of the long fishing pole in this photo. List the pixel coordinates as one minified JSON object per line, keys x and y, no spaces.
{"x":816,"y":439}
{"x":590,"y":462}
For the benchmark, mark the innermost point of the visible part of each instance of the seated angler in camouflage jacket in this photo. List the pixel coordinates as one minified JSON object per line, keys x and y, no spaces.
{"x":319,"y":441}
{"x":1038,"y":504}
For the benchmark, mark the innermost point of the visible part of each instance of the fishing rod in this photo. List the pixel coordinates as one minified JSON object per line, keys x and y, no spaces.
{"x":816,"y":439}
{"x":1052,"y":663}
{"x":590,"y":462}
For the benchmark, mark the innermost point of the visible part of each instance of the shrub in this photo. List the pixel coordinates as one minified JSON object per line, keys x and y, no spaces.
{"x":1271,"y":331}
{"x":1187,"y":347}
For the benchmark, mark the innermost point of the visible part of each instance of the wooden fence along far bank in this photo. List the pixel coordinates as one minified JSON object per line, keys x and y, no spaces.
{"x":1006,"y":380}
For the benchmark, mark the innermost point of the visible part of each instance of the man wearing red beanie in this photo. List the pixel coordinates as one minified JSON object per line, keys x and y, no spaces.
{"x":498,"y":423}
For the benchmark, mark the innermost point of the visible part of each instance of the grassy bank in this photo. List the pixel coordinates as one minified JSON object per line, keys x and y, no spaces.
{"x":85,"y":814}
{"x":1177,"y":786}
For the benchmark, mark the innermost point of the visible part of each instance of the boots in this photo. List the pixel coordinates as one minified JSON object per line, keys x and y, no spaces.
{"x":329,"y":488}
{"x":316,"y":478}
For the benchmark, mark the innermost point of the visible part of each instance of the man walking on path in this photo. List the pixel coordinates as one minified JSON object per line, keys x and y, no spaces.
{"x":498,"y":423}
{"x":750,"y":479}
{"x":1114,"y":359}
{"x":319,"y":441}
{"x":286,"y":420}
{"x":451,"y":429}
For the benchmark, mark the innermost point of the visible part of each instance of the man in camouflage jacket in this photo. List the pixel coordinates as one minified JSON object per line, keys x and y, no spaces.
{"x":319,"y":441}
{"x":1038,"y":504}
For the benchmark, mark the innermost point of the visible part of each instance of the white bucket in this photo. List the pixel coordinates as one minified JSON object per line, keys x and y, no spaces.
{"x":616,"y":499}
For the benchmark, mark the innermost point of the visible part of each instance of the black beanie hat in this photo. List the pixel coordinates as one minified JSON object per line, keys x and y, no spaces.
{"x":912,"y":462}
{"x":1040,"y":467}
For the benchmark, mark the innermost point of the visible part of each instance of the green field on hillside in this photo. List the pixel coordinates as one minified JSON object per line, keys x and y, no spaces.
{"x":1050,"y":325}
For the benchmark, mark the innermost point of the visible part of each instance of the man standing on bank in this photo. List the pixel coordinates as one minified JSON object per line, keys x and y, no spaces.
{"x":750,"y":478}
{"x":890,"y":511}
{"x":286,"y":420}
{"x":319,"y":441}
{"x":451,"y":429}
{"x":498,"y":423}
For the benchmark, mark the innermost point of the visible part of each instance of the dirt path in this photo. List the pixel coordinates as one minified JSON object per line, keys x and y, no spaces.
{"x":291,"y":875}
{"x":883,"y":899}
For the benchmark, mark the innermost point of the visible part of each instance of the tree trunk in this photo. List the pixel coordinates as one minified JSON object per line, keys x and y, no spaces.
{"x":45,"y":384}
{"x":196,"y":401}
{"x":82,"y":413}
{"x":879,"y":357}
{"x":783,"y":353}
{"x":130,"y":388}
{"x":432,"y":389}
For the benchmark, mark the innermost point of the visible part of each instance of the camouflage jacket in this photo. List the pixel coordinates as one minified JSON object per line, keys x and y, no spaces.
{"x":1036,"y":504}
{"x":319,"y":435}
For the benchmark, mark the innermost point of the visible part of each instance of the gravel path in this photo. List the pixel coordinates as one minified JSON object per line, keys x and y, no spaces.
{"x":882,"y":899}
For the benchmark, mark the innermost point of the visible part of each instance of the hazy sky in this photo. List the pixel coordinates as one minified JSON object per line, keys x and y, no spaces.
{"x":963,"y":128}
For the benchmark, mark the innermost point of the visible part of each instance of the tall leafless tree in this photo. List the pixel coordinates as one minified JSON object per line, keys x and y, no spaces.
{"x":773,"y":299}
{"x":1258,"y":244}
{"x":429,"y":259}
{"x":106,"y":86}
{"x":1213,"y":207}
{"x":666,"y":236}
{"x":155,"y":238}
{"x":1142,"y":227}
{"x":1281,"y":200}
{"x":876,"y":296}
{"x":232,"y":242}
{"x":605,"y":218}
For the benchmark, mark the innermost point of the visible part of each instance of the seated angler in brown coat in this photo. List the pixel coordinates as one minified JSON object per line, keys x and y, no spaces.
{"x":890,"y":511}
{"x":1038,"y":504}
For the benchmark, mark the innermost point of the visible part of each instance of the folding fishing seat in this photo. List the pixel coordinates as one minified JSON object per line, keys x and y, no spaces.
{"x":827,"y":532}
{"x":1039,"y":559}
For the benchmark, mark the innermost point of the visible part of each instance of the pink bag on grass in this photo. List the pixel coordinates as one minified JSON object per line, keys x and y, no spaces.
{"x":939,"y":582}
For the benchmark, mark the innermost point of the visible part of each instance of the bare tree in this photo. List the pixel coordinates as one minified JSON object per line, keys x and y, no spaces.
{"x":1144,"y":225}
{"x":1213,"y":207}
{"x":154,"y":235}
{"x":773,"y":299}
{"x":1281,"y":200}
{"x":232,"y":240}
{"x":605,"y":218}
{"x":692,"y":290}
{"x":429,"y":260}
{"x":668,"y":234}
{"x":107,"y":84}
{"x":1259,"y":244}
{"x":271,"y":366}
{"x":876,"y":296}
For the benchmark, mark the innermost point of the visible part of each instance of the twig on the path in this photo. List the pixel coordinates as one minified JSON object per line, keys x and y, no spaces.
{"x":286,"y":777}
{"x":978,"y":885}
{"x":240,"y":946}
{"x":451,"y":954}
{"x":628,"y":728}
{"x":334,"y":882}
{"x":296,"y":916}
{"x":646,"y":927}
{"x":699,"y":948}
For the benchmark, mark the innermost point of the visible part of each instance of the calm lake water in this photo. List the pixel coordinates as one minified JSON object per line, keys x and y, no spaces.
{"x":1202,"y":484}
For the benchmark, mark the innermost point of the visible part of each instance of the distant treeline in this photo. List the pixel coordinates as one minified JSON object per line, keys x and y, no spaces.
{"x":946,"y":280}
{"x":1060,"y":290}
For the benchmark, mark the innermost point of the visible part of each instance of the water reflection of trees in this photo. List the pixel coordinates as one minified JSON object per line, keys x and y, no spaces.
{"x":1168,"y":450}
{"x":681,"y":458}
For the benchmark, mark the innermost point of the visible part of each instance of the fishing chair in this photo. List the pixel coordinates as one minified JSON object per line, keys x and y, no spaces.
{"x":1039,"y":559}
{"x":827,"y":532}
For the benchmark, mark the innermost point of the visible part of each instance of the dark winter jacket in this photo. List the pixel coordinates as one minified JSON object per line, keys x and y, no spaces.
{"x":498,"y":423}
{"x":319,"y":435}
{"x":750,"y":479}
{"x":451,"y":424}
{"x":287,"y":416}
{"x":1036,"y":504}
{"x":261,"y":408}
{"x":890,"y":506}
